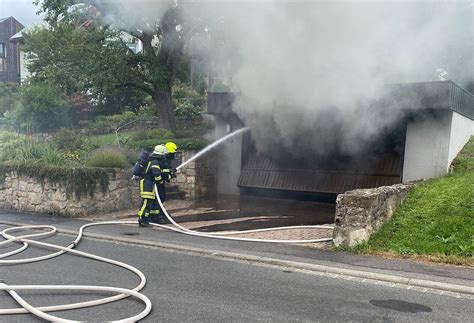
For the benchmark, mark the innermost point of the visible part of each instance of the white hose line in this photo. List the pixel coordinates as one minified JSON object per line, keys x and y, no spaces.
{"x":14,"y":252}
{"x":40,"y":310}
{"x":220,"y":235}
{"x":34,"y":310}
{"x":123,"y":293}
{"x":184,"y":230}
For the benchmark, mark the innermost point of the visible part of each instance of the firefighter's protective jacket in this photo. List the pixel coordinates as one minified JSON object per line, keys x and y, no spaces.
{"x":166,"y":170}
{"x":153,"y":175}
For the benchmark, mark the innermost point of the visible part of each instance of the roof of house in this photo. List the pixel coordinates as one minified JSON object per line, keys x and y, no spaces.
{"x":18,"y":36}
{"x":11,"y":18}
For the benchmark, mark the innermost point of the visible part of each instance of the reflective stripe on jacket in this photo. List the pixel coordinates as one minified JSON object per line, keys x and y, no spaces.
{"x":152,"y":176}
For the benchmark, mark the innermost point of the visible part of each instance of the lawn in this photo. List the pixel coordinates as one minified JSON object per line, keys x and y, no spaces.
{"x":436,"y":221}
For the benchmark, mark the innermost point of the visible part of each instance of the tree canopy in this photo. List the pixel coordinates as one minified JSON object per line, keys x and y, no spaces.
{"x":84,"y":50}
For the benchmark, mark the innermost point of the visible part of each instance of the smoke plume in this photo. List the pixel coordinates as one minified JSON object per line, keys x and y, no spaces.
{"x":310,"y":73}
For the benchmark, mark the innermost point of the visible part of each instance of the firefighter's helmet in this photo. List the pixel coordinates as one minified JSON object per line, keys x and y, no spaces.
{"x":171,"y":147}
{"x":160,"y":150}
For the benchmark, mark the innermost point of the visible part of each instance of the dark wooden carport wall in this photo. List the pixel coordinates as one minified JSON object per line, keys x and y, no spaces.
{"x":265,"y":176}
{"x":260,"y":174}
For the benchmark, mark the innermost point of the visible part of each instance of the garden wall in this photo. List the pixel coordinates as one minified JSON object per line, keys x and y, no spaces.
{"x":23,"y":192}
{"x":361,"y":212}
{"x":102,"y":190}
{"x":198,"y":179}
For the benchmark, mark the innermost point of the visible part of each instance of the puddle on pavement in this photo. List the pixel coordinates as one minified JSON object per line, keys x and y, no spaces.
{"x":400,"y":306}
{"x":259,"y":212}
{"x":130,"y":233}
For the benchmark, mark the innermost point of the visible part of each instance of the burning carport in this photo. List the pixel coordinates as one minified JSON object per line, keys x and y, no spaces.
{"x":436,"y":120}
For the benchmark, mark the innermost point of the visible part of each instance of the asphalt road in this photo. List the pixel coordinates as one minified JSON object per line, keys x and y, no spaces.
{"x":192,"y":288}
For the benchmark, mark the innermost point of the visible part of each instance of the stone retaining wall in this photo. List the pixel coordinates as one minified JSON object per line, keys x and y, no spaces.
{"x":27,"y":193}
{"x":361,"y":212}
{"x":198,"y":179}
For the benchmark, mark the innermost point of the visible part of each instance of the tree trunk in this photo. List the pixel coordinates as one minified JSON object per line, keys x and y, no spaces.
{"x":162,"y":100}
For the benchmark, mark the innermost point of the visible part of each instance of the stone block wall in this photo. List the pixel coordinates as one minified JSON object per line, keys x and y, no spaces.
{"x":361,"y":212}
{"x":26,"y":193}
{"x":197,"y":180}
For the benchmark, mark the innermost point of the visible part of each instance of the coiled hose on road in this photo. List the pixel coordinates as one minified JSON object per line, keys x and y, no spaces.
{"x":25,"y":240}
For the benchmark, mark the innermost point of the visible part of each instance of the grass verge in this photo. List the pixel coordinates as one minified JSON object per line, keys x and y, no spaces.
{"x":436,"y":221}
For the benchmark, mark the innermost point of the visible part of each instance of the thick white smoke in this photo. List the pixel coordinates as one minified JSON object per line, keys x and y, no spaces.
{"x":307,"y":71}
{"x":135,"y":14}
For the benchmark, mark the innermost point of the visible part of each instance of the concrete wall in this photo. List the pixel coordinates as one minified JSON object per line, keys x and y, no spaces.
{"x":462,"y":128}
{"x":427,"y":146}
{"x":229,"y":156}
{"x":432,"y":142}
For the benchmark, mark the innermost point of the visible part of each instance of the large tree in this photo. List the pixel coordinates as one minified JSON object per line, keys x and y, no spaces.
{"x":110,"y":63}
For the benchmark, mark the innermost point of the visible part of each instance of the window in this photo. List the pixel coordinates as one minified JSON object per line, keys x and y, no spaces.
{"x":2,"y":50}
{"x":2,"y":65}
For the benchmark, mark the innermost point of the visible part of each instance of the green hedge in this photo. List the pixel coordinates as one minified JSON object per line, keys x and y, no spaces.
{"x":183,"y":144}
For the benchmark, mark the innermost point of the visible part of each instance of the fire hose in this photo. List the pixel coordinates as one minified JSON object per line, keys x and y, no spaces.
{"x":41,"y":311}
{"x":122,"y":293}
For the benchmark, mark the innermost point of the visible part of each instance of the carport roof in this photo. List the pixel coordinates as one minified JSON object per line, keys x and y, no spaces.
{"x":412,"y":96}
{"x":432,"y":95}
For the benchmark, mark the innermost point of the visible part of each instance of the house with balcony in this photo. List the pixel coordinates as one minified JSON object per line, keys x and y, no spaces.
{"x":9,"y":51}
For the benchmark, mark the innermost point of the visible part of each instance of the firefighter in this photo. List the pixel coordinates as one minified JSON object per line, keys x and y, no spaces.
{"x":153,"y":175}
{"x":168,"y":173}
{"x":171,"y":149}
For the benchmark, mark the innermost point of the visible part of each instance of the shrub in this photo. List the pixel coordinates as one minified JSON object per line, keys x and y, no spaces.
{"x":130,"y":154}
{"x":187,"y":109}
{"x":41,"y":106}
{"x":123,"y":139}
{"x":183,"y":144}
{"x":19,"y":149}
{"x":186,"y":101}
{"x":159,"y":133}
{"x":91,"y":144}
{"x":7,"y":92}
{"x":8,"y":143}
{"x":147,"y":110}
{"x":107,"y":158}
{"x":28,"y":152}
{"x":69,"y":140}
{"x":51,"y":156}
{"x":197,"y":131}
{"x":112,"y":122}
{"x":140,"y":135}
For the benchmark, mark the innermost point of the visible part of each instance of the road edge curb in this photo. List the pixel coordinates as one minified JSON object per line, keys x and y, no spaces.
{"x":277,"y":262}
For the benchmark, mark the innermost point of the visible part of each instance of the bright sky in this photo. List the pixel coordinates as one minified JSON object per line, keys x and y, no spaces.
{"x":23,"y":10}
